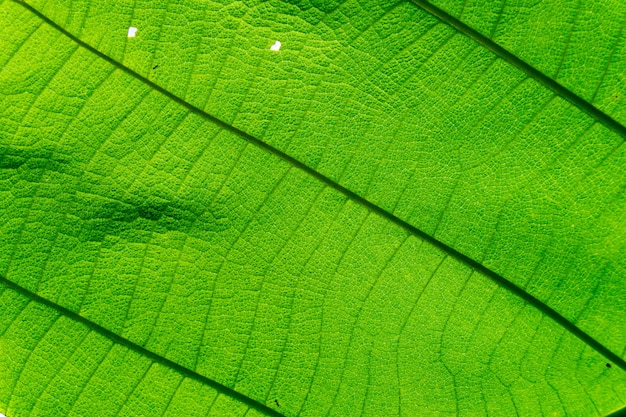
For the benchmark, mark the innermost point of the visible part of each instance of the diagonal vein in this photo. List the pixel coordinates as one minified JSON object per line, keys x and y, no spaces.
{"x":114,"y":337}
{"x":528,"y":69}
{"x":450,"y":251}
{"x":619,"y":413}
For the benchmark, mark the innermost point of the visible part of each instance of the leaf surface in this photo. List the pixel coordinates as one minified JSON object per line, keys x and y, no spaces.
{"x":56,"y":363}
{"x":319,"y":241}
{"x":579,"y":43}
{"x":412,"y":115}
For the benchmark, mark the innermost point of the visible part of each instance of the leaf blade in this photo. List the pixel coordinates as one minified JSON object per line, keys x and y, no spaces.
{"x":556,"y":37}
{"x":71,"y":362}
{"x":145,"y":216}
{"x":529,"y":154}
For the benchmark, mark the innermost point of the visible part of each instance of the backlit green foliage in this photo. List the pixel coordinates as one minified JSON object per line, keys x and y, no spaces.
{"x":386,"y":217}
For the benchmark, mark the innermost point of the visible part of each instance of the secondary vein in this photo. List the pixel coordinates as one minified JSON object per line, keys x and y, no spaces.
{"x":475,"y":265}
{"x":531,"y":71}
{"x":140,"y":349}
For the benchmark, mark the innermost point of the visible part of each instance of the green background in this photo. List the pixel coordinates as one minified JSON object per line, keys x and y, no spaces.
{"x":384,"y":217}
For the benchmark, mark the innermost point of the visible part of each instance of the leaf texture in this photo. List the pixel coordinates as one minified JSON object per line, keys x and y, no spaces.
{"x":271,"y":222}
{"x":412,"y":115}
{"x":54,"y":365}
{"x":579,"y":43}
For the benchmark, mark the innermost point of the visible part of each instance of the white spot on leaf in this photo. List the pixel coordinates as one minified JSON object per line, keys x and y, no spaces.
{"x":275,"y":47}
{"x":132,"y":31}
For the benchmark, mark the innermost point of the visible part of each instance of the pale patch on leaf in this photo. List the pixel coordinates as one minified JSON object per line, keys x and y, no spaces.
{"x":276,"y":46}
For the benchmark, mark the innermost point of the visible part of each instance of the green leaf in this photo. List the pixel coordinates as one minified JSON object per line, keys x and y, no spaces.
{"x":580,"y":44}
{"x":412,"y":115}
{"x":57,"y":363}
{"x":385,"y":217}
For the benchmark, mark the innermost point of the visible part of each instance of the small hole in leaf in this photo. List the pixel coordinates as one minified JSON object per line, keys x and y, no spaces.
{"x":276,"y":46}
{"x":132,"y":31}
{"x":155,"y":67}
{"x":608,"y":365}
{"x":276,"y":401}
